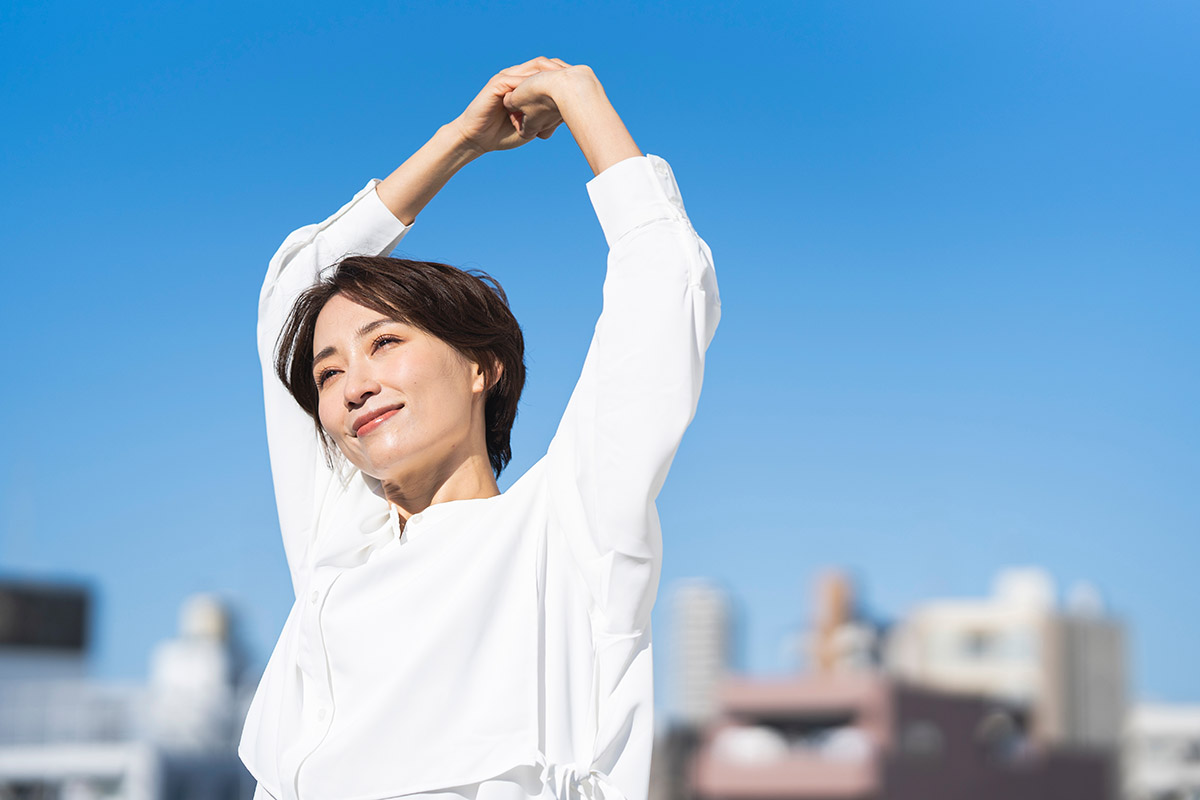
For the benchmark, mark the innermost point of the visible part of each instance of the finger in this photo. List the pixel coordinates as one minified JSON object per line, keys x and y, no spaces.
{"x":541,"y":62}
{"x":546,"y":134}
{"x":515,"y":116}
{"x":528,"y":68}
{"x":505,"y":82}
{"x":533,"y":65}
{"x":541,"y":123}
{"x":537,"y":123}
{"x":515,"y":74}
{"x":520,"y":69}
{"x":510,"y":78}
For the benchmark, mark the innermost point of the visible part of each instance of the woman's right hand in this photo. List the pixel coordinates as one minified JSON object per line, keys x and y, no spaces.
{"x":486,"y":125}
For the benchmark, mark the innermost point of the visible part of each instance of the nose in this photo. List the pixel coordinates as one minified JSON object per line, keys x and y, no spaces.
{"x":359,"y":386}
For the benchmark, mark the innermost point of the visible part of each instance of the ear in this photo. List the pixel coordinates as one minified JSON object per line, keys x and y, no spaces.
{"x":481,"y":384}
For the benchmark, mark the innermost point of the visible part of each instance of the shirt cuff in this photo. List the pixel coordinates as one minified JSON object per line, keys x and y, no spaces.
{"x":366,"y":226}
{"x":633,"y":192}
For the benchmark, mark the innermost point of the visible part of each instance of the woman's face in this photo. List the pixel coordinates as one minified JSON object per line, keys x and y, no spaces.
{"x":397,"y":401}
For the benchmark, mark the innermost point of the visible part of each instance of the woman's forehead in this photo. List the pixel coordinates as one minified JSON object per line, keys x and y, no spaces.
{"x":343,"y":319}
{"x":340,"y":308}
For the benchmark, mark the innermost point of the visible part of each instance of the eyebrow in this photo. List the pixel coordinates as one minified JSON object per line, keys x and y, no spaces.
{"x":361,"y":332}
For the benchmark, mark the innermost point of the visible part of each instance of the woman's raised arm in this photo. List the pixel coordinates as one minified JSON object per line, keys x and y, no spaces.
{"x":372,"y":223}
{"x":641,"y":379}
{"x":636,"y":394}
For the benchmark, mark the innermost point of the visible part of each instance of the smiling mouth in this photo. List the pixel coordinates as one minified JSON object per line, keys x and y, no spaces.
{"x":374,"y":422}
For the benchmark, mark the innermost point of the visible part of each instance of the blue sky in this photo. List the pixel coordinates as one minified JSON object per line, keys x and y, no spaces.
{"x":957,"y":245}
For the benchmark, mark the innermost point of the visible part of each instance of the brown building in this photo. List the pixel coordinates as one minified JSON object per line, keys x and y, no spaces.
{"x":1067,"y":665}
{"x":869,"y":737}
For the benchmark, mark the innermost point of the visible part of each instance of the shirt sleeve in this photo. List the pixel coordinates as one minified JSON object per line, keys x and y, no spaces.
{"x":364,"y":226}
{"x":637,"y":392}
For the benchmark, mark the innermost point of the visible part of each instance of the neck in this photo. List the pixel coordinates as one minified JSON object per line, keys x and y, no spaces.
{"x":468,"y":479}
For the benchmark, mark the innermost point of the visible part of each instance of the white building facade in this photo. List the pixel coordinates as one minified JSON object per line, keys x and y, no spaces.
{"x":1162,"y":753}
{"x":65,"y":737}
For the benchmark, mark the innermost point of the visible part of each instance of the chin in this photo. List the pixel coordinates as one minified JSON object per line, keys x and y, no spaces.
{"x":367,"y":466}
{"x":396,"y":470}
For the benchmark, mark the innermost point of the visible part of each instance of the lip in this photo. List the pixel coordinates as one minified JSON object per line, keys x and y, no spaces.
{"x":373,"y":419}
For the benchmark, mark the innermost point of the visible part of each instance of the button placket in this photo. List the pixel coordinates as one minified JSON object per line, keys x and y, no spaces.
{"x":394,"y":520}
{"x":410,"y":527}
{"x":315,"y":680}
{"x":314,"y":661}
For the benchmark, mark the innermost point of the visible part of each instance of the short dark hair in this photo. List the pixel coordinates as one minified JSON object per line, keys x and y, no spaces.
{"x":466,"y":309}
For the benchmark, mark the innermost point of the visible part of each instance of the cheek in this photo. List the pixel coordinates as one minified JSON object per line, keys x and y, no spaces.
{"x":325,"y":415}
{"x":455,"y":377}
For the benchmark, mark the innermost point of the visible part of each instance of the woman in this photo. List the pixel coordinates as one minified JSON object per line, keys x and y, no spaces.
{"x":448,"y":640}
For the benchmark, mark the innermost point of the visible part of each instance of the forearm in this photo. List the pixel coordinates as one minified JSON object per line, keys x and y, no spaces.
{"x":415,"y":182}
{"x":595,"y":124}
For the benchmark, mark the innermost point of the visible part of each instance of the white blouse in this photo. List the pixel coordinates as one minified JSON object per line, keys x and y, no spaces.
{"x":498,"y":648}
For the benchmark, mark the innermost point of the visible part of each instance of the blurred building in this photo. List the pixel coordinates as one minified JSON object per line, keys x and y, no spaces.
{"x":65,"y":737}
{"x":43,"y":630}
{"x":700,"y":659}
{"x":193,"y":701}
{"x":1162,"y":753}
{"x":842,"y":640}
{"x":869,"y":737}
{"x":1008,"y":696}
{"x":702,"y":648}
{"x":1066,"y":665}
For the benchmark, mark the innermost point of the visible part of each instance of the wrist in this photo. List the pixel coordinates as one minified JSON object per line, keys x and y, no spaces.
{"x":423,"y":174}
{"x":577,"y":91}
{"x":592,"y":120}
{"x":454,"y":147}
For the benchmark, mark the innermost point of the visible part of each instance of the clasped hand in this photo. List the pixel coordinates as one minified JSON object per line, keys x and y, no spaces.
{"x":518,"y":105}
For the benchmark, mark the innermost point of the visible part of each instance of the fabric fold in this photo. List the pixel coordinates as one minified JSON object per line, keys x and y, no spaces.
{"x":570,"y":781}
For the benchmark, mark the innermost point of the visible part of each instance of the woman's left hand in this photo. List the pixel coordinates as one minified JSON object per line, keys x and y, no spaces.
{"x":533,"y":105}
{"x":487,"y":124}
{"x":572,"y":95}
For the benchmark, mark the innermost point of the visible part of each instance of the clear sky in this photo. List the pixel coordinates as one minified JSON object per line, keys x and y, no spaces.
{"x":958,"y":248}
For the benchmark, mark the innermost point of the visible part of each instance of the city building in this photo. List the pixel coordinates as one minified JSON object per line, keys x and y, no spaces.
{"x":869,"y":737}
{"x":44,"y":630}
{"x":1162,"y":753}
{"x":1067,"y":665}
{"x":1006,"y":696}
{"x":702,"y":649}
{"x":700,"y":658}
{"x":842,"y":640}
{"x":64,"y":736}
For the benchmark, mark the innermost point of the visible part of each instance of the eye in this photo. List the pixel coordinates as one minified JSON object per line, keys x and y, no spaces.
{"x":385,"y":339}
{"x":324,"y":375}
